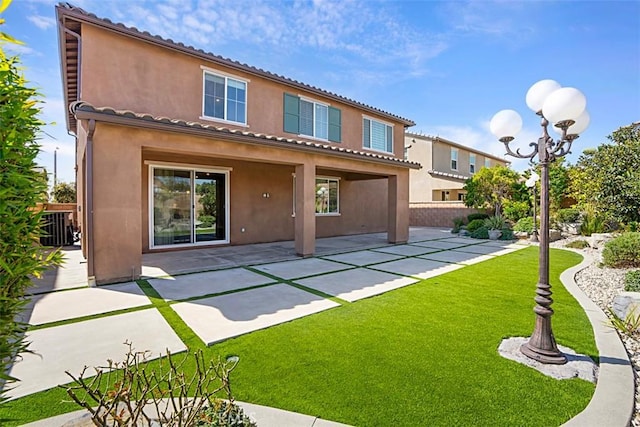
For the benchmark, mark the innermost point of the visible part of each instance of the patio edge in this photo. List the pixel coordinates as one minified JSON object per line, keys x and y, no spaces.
{"x":615,"y":387}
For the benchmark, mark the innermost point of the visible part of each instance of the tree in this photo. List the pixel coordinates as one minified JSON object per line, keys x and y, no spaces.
{"x":558,"y":184}
{"x":607,"y":180}
{"x":64,"y":193}
{"x":490,"y":188}
{"x":22,"y":186}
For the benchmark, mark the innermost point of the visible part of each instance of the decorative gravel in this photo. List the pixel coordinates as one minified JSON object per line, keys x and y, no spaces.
{"x":602,"y":284}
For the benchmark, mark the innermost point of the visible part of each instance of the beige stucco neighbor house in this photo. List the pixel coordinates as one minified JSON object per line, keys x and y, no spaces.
{"x":436,"y":195}
{"x":178,"y":149}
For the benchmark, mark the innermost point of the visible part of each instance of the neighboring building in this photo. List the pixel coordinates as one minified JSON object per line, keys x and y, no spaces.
{"x":445,"y":167}
{"x":436,"y":195}
{"x":178,"y":148}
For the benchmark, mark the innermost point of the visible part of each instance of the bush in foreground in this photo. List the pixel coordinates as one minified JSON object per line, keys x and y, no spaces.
{"x":632,"y":281}
{"x":623,"y":251}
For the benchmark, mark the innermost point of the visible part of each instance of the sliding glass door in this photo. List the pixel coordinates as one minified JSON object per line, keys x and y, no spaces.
{"x":188,"y":206}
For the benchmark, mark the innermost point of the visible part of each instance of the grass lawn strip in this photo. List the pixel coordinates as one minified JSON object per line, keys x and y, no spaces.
{"x":425,"y":354}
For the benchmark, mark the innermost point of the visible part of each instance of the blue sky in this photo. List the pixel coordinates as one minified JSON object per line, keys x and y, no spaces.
{"x":448,"y":66}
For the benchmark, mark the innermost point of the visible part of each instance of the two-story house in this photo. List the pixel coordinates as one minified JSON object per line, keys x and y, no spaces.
{"x":436,"y":192}
{"x":178,"y":148}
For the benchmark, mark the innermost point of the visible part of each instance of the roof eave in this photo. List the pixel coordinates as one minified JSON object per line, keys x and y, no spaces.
{"x":62,"y":11}
{"x":168,"y":126}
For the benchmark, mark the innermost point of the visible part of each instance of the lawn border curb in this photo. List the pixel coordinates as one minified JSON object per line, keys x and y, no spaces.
{"x":616,"y":385}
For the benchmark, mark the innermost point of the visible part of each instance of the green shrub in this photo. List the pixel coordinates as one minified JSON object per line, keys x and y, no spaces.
{"x":507,"y":234}
{"x":474,"y":225}
{"x":21,"y":188}
{"x":495,"y":222}
{"x":632,"y":281}
{"x":475,"y":216}
{"x":524,"y":224}
{"x":577,"y":244}
{"x":514,"y":210}
{"x":592,"y":224}
{"x":568,"y":215}
{"x":481,"y":232}
{"x":632,"y":226}
{"x":623,"y":251}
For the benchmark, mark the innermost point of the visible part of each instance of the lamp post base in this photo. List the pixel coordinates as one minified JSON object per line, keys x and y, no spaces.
{"x":552,"y":357}
{"x":534,"y":236}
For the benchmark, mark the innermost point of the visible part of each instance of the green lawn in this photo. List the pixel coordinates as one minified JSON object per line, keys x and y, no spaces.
{"x":422,"y":355}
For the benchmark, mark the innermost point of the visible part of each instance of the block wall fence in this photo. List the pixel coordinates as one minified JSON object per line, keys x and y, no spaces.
{"x":437,"y":214}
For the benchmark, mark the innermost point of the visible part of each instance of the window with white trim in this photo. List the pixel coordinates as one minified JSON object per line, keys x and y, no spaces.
{"x":307,"y":117}
{"x":472,"y":163}
{"x":225,"y":98}
{"x":327,"y":196}
{"x":487,"y":163}
{"x":454,"y":159}
{"x":377,"y":135}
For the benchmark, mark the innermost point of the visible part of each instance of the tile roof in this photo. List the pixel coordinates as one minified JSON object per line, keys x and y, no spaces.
{"x":84,"y":110}
{"x":448,"y":175}
{"x":66,"y":10}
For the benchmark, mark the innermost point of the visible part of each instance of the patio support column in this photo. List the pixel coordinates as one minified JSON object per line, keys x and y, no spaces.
{"x":305,"y":219}
{"x":398,"y":208}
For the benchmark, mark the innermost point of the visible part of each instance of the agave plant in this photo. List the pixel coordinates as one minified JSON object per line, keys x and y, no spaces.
{"x":496,"y":222}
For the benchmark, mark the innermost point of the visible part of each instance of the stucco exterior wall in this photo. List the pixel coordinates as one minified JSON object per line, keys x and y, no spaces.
{"x":121,"y":192}
{"x":128,"y":74}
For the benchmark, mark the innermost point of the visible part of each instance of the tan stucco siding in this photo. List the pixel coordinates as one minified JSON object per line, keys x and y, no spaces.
{"x":129,"y":74}
{"x":121,"y":191}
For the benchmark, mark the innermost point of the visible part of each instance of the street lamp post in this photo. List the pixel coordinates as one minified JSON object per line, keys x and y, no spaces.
{"x":531,"y":183}
{"x":566,"y":109}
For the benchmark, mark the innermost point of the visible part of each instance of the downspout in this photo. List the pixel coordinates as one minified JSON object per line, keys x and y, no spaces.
{"x":89,"y":206}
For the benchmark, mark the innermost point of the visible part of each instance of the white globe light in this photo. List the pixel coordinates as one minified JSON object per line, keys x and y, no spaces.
{"x":505,"y":123}
{"x":538,"y":93}
{"x":566,"y":103}
{"x":581,"y":123}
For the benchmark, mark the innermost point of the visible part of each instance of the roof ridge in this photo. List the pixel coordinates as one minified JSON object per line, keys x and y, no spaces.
{"x":227,"y":61}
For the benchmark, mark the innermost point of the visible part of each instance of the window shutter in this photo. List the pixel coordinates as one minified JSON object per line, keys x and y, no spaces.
{"x":390,"y":139}
{"x":291,"y":114}
{"x":366,"y":133}
{"x":335,"y":125}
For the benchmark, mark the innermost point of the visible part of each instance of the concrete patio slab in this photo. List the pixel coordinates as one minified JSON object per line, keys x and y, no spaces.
{"x":417,"y":267}
{"x":300,"y":268}
{"x":506,"y":243}
{"x":352,"y":285}
{"x":440,"y":244}
{"x":418,"y":234}
{"x":91,"y":343}
{"x":56,"y":306}
{"x":406,"y":250}
{"x":461,"y":240}
{"x":361,"y":258}
{"x":71,"y":274}
{"x":465,"y":258}
{"x":211,"y":282}
{"x":218,"y":318}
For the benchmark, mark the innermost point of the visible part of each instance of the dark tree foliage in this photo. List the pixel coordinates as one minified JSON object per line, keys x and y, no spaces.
{"x":21,"y":188}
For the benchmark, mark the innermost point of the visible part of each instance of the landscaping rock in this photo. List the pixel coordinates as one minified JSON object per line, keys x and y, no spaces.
{"x":577,"y":366}
{"x":626,"y":303}
{"x":571,"y":228}
{"x":554,"y":235}
{"x":597,"y":240}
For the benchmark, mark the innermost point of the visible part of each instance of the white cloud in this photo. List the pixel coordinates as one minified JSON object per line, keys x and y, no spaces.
{"x":18,"y":49}
{"x":42,"y":22}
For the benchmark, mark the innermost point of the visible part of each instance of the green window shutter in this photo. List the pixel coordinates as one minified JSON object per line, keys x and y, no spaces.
{"x":335,"y":125}
{"x":291,"y":114}
{"x":366,"y":133}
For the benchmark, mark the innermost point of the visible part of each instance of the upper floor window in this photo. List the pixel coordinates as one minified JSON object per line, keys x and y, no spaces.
{"x":454,"y":159}
{"x":311,"y":118}
{"x":472,"y":163}
{"x":487,"y":163}
{"x":225,"y":98}
{"x":377,"y":135}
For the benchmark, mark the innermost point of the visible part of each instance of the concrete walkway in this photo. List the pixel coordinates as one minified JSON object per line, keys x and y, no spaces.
{"x":264,"y":286}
